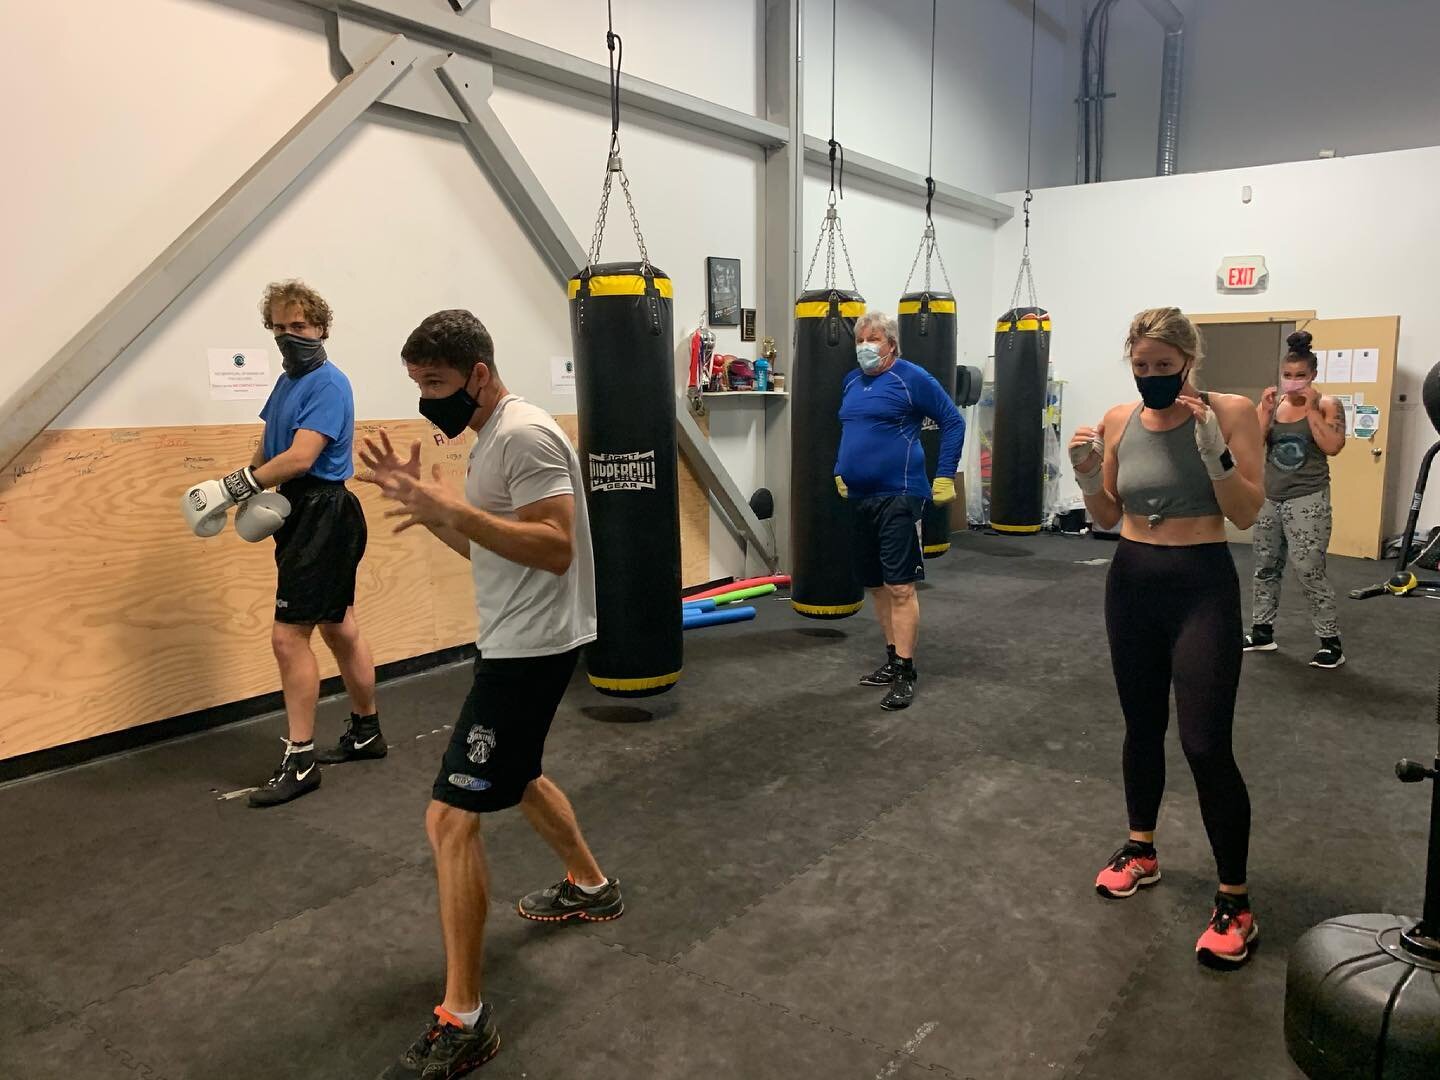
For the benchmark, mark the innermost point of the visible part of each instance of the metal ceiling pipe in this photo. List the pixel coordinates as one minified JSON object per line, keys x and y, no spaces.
{"x":1167,"y":150}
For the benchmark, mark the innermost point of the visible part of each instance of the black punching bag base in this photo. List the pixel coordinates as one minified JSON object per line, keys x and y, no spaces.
{"x":634,"y":688}
{"x":1358,"y":1004}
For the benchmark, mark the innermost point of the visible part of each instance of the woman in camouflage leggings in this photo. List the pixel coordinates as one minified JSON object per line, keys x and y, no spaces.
{"x":1303,"y":431}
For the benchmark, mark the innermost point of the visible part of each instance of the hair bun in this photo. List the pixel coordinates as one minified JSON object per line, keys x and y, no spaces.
{"x":1299,"y":342}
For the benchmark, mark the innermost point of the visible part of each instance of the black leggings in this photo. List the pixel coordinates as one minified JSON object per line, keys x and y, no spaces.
{"x":1173,"y":616}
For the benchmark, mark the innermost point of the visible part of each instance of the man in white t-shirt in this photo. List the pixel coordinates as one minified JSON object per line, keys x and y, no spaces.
{"x":522,"y":523}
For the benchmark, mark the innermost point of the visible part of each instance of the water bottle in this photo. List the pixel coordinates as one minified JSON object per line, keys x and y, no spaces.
{"x":762,"y":374}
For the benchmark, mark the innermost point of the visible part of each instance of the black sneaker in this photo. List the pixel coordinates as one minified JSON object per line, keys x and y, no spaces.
{"x":447,"y":1050}
{"x":1261,"y":638}
{"x":565,"y":900}
{"x":902,"y":691}
{"x":1330,"y":655}
{"x":362,"y":741}
{"x":297,"y":775}
{"x":884,"y":675}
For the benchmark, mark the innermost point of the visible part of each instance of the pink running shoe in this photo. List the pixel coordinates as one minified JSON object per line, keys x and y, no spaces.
{"x":1232,"y":929}
{"x":1128,"y":870}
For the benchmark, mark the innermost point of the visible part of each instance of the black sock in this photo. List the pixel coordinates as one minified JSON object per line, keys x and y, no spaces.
{"x":1147,"y":848}
{"x":1239,"y":900}
{"x":890,"y":653}
{"x":905,"y":663}
{"x":302,"y":754}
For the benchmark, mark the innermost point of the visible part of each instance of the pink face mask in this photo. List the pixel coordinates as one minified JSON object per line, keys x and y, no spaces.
{"x":1293,"y":386}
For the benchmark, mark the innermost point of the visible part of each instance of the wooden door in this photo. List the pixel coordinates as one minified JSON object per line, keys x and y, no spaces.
{"x":1359,"y":473}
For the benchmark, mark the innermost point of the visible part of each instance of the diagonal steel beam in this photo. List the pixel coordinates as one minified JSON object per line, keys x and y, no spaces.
{"x":45,"y":395}
{"x":487,"y":138}
{"x":502,"y":159}
{"x":472,"y":37}
{"x":817,"y":152}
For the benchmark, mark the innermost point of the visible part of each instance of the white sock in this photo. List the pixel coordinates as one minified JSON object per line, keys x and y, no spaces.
{"x":470,"y":1019}
{"x":591,"y":890}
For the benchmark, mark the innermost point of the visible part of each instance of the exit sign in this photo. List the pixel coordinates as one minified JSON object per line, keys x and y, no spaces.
{"x":1242,"y":274}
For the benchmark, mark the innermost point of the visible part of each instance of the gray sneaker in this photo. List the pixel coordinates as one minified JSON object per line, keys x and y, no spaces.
{"x":447,"y":1051}
{"x":565,"y":900}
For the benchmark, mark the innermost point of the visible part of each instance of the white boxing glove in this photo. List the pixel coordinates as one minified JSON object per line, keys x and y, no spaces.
{"x":261,"y":516}
{"x":1210,"y":441}
{"x":205,"y":507}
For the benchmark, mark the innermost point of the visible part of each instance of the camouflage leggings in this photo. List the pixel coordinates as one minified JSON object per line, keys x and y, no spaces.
{"x":1300,"y":529}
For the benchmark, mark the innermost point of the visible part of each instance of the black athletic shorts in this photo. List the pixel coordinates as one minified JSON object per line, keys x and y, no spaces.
{"x":888,"y":549}
{"x":498,"y":743}
{"x":317,"y":551}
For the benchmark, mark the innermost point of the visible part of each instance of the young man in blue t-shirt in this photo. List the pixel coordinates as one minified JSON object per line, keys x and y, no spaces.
{"x":319,"y":531}
{"x":881,"y":467}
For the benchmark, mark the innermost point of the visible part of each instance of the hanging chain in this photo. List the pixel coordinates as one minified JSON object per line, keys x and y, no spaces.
{"x":614,"y":166}
{"x":830,"y":231}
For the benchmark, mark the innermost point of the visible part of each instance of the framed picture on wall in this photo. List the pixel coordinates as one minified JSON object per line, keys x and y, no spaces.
{"x":722,"y":278}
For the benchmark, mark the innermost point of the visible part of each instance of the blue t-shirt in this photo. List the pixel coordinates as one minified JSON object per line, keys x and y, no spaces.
{"x":320,"y":400}
{"x":880,"y":419}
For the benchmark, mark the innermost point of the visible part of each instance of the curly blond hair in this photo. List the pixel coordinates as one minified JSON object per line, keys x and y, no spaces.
{"x":317,"y":311}
{"x":1169,"y":326}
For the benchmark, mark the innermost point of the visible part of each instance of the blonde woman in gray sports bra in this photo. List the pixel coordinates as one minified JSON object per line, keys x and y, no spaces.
{"x":1169,"y":470}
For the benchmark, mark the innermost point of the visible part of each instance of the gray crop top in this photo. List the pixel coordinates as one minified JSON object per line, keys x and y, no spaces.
{"x":1160,"y":474}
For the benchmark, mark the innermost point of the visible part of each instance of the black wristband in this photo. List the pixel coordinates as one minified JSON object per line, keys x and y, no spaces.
{"x":241,"y":484}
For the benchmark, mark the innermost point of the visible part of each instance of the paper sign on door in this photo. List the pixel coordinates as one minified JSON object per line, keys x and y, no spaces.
{"x":1367,"y":421}
{"x":1367,"y":365}
{"x":1341,"y":365}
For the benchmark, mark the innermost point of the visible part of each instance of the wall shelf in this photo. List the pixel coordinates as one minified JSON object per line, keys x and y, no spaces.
{"x":712,"y":395}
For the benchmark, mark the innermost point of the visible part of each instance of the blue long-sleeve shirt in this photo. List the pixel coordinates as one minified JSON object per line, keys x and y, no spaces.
{"x":880,"y":420}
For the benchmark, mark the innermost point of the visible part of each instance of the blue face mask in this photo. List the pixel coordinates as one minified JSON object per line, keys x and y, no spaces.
{"x":867,"y":354}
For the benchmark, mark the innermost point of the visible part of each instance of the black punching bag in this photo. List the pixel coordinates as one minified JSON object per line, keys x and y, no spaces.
{"x":621,"y":323}
{"x":823,"y":582}
{"x":927,"y":337}
{"x":1017,"y":454}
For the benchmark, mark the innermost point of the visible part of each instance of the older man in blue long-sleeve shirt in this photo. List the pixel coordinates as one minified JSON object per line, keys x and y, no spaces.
{"x":882,"y":468}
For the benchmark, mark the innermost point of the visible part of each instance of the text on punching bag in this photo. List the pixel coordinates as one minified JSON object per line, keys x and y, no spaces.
{"x":622,"y":472}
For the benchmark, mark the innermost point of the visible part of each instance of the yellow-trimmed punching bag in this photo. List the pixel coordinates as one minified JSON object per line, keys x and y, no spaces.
{"x":1017,"y":455}
{"x":928,"y":336}
{"x":823,"y":581}
{"x":621,"y":323}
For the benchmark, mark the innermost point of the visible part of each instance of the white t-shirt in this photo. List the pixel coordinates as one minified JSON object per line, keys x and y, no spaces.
{"x":521,"y":456}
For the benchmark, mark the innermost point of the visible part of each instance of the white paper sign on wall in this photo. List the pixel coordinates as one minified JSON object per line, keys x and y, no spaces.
{"x":239,"y":374}
{"x":1242,"y":274}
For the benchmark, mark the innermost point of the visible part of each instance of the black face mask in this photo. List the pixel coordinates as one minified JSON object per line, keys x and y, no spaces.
{"x":300,"y":355}
{"x":1160,"y":391}
{"x":452,"y":413}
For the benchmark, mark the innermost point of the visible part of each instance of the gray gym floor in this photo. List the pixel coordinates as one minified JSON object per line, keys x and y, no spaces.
{"x":815,"y":888}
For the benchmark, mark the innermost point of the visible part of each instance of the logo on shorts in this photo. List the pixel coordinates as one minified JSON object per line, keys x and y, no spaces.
{"x":479,"y":743}
{"x":622,"y":472}
{"x":281,"y":603}
{"x":468,"y":783}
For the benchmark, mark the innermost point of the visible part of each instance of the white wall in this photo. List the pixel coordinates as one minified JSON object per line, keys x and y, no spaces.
{"x":1348,"y":238}
{"x":707,"y":49}
{"x":1273,"y":81}
{"x":394,"y":222}
{"x":882,"y":88}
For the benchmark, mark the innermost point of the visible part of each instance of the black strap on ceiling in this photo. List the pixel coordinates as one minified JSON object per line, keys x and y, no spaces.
{"x":930,"y":166}
{"x":835,"y":147}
